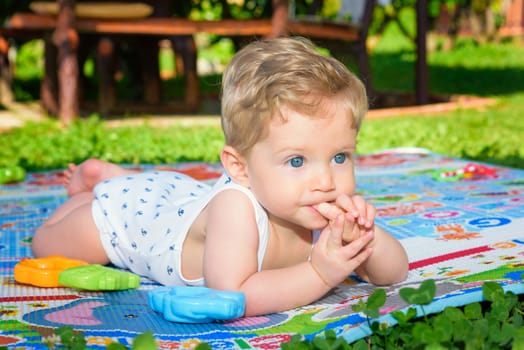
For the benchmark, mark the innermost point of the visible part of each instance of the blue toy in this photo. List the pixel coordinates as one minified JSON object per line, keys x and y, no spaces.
{"x":196,"y":304}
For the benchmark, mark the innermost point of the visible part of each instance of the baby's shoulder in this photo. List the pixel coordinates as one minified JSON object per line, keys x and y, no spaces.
{"x":228,"y":212}
{"x":230,"y":206}
{"x":228,"y":199}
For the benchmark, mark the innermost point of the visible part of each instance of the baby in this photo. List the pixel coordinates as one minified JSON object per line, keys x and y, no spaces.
{"x":283,"y":224}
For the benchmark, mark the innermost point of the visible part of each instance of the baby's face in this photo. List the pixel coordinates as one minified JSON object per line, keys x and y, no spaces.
{"x":302,"y":162}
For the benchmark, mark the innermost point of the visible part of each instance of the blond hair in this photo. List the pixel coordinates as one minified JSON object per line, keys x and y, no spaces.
{"x":266,"y":75}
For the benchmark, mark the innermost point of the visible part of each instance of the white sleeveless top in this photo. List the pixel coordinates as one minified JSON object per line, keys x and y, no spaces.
{"x":144,"y":219}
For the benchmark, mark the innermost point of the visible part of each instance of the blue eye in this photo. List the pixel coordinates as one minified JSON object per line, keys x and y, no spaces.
{"x":296,"y":162}
{"x":340,"y":158}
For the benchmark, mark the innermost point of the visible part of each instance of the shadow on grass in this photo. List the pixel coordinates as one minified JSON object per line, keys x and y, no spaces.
{"x":512,"y":160}
{"x":29,"y":89}
{"x":396,"y":71}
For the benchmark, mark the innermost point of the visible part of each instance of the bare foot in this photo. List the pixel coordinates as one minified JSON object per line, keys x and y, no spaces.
{"x":85,"y":176}
{"x":82,"y":177}
{"x":67,"y":174}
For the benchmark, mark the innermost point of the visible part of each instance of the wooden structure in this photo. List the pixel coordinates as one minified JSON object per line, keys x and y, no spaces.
{"x":514,"y":23}
{"x":64,"y":32}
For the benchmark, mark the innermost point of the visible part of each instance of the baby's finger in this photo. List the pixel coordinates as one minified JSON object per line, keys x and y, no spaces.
{"x":367,"y":215}
{"x":328,"y":210}
{"x":335,"y":238}
{"x":359,"y":258}
{"x":362,"y":207}
{"x":346,"y":202}
{"x":325,"y":236}
{"x":371,"y":213}
{"x":352,"y":249}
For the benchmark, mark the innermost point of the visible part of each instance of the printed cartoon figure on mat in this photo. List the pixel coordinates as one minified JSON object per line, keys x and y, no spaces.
{"x":282,"y":224}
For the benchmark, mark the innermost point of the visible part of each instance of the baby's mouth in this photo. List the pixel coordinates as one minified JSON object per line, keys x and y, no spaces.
{"x":314,"y":209}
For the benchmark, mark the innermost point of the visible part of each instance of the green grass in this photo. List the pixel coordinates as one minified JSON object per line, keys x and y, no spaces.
{"x":487,"y":70}
{"x":493,"y":135}
{"x":39,"y":146}
{"x":490,"y":70}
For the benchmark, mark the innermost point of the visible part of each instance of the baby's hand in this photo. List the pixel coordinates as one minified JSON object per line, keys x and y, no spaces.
{"x":359,"y":215}
{"x":360,"y":211}
{"x":333,"y":259}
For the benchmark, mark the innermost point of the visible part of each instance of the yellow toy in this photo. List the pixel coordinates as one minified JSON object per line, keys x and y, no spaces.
{"x":43,"y":272}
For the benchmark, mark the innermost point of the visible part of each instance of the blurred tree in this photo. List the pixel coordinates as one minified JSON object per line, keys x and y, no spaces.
{"x":8,"y":7}
{"x":479,"y":19}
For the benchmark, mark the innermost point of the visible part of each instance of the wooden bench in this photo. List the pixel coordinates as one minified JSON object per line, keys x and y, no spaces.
{"x":340,"y":38}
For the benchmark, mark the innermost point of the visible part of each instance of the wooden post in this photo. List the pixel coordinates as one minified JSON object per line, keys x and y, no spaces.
{"x":148,"y":51}
{"x":49,"y":84}
{"x":279,"y":18}
{"x":185,"y":48}
{"x":421,"y":71}
{"x":65,"y":38}
{"x":186,"y":51}
{"x":6,"y":94}
{"x":106,"y":66}
{"x":514,"y":24}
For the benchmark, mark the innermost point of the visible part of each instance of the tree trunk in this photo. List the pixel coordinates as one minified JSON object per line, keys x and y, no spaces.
{"x":279,"y":18}
{"x":6,"y":93}
{"x":49,"y":84}
{"x":65,"y":38}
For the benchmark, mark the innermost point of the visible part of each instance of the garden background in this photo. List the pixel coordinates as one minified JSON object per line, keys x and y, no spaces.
{"x":488,"y":66}
{"x":482,"y":65}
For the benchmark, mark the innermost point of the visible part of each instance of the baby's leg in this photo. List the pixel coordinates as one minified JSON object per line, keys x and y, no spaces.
{"x":71,"y":232}
{"x":83,"y":177}
{"x":67,"y":207}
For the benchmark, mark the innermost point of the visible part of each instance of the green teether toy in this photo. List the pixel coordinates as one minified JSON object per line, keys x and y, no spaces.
{"x":98,"y":278}
{"x":11,"y":174}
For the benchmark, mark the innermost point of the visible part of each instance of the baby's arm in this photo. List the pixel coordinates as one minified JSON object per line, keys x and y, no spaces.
{"x":388,"y":263}
{"x":230,"y":259}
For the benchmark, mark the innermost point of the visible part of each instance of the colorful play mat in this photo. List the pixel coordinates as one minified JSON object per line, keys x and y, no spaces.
{"x":462,"y":223}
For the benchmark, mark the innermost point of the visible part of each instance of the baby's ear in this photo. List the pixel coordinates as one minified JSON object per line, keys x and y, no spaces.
{"x":235,"y":165}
